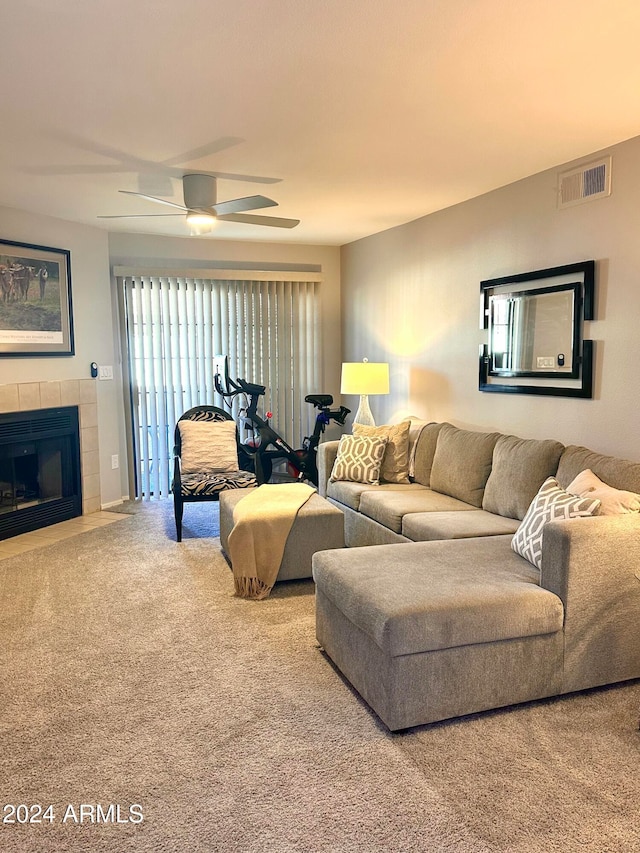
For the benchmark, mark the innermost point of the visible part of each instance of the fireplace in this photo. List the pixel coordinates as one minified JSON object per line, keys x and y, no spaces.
{"x":39,"y":469}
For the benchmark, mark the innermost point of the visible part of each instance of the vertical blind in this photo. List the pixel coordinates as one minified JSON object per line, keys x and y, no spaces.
{"x":176,"y":330}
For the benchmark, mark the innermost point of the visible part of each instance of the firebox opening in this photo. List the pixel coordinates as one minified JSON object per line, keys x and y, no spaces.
{"x":39,"y":469}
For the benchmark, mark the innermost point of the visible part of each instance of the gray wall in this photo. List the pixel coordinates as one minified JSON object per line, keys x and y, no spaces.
{"x":410,"y":296}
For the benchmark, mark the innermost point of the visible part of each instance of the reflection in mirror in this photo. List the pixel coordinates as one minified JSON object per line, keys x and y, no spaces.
{"x":534,"y":332}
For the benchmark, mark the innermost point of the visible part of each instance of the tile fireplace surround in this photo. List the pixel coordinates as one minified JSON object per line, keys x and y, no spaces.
{"x":29,"y":396}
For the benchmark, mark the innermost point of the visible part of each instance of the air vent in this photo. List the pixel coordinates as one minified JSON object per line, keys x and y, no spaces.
{"x":16,"y":426}
{"x":586,"y":183}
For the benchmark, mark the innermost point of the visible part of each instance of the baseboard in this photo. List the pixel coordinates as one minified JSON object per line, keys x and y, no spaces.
{"x":111,"y":504}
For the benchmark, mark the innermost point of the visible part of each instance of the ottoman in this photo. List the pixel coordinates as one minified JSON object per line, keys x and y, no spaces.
{"x":435,"y":630}
{"x":319,"y":525}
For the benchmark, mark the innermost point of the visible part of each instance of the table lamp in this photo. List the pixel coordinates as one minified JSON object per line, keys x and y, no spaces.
{"x":364,"y":377}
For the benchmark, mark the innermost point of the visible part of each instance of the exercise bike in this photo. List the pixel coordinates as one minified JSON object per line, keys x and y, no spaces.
{"x":260,"y":445}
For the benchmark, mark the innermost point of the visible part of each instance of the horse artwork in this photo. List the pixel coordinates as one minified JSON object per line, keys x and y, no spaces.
{"x":35,"y":300}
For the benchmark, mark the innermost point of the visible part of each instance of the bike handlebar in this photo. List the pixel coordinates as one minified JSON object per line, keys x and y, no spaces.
{"x":251,"y":389}
{"x":240,"y":386}
{"x":339,"y":415}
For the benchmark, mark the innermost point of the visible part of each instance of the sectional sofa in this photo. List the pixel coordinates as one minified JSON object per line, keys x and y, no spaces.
{"x":431,"y":613}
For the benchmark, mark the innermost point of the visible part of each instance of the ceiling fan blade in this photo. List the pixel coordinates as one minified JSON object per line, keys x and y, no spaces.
{"x":137,"y":215}
{"x":249,"y":219}
{"x":153,"y":198}
{"x":236,"y":205}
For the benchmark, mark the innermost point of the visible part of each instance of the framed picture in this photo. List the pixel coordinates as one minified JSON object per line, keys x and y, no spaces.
{"x":36,"y":316}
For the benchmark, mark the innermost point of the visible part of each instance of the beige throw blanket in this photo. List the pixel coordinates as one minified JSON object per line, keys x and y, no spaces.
{"x":261,"y":524}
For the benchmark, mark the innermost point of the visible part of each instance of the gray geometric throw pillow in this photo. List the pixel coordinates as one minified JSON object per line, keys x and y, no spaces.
{"x":550,"y":504}
{"x":359,"y":459}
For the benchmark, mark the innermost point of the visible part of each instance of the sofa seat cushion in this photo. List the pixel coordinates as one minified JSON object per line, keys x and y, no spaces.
{"x":462,"y":463}
{"x":389,"y":509}
{"x":350,"y":494}
{"x":520,"y":466}
{"x":425,"y":526}
{"x":428,"y":596}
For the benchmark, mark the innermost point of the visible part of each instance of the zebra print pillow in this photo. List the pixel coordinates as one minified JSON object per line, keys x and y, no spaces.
{"x":550,"y":504}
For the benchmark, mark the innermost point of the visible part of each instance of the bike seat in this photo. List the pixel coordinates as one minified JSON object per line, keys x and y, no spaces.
{"x":319,"y":400}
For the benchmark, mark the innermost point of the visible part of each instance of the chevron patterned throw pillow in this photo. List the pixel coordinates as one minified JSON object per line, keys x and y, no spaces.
{"x":359,"y":459}
{"x":551,"y":503}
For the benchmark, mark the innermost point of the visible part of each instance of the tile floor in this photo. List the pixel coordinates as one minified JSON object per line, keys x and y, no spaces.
{"x":57,"y":532}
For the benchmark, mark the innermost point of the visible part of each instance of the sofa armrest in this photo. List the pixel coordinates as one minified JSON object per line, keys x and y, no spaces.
{"x":593,"y":565}
{"x":327,"y":452}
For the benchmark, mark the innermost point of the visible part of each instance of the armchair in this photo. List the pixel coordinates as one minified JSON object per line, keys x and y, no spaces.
{"x":205,"y":459}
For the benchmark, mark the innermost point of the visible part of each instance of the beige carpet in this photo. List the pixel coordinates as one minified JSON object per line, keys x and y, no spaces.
{"x":131,"y":675}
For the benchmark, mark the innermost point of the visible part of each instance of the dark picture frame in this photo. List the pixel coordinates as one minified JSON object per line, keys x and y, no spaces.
{"x":36,"y":316}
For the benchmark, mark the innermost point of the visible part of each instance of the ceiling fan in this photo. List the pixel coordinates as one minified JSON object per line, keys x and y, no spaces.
{"x":203,"y":210}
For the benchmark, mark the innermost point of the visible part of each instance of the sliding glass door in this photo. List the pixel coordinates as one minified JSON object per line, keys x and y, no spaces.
{"x":179,"y":328}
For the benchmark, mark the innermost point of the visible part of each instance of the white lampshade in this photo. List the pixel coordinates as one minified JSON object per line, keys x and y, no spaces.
{"x":364,"y":378}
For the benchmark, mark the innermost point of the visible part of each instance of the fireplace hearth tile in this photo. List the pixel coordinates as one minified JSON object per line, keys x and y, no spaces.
{"x":90,"y":505}
{"x":89,"y":438}
{"x":9,"y":398}
{"x":88,"y":391}
{"x":50,"y":395}
{"x":29,"y":396}
{"x":88,"y":415}
{"x":90,"y":463}
{"x":58,"y":533}
{"x":70,"y":392}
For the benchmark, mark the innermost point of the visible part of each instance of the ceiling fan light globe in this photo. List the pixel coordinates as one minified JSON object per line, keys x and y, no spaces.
{"x":201,"y":223}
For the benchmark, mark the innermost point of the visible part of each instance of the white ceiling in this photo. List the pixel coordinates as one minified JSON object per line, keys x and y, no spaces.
{"x":370,"y":112}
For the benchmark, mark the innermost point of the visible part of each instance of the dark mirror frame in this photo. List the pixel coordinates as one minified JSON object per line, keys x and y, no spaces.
{"x":574,"y":291}
{"x":542,"y":281}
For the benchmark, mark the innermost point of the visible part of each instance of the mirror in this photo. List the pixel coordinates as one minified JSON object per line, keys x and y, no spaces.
{"x":535,"y":324}
{"x":533,"y":332}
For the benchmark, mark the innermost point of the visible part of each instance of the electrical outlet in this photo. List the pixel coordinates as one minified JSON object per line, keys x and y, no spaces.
{"x":545,"y":361}
{"x":105,"y":371}
{"x":115,"y":462}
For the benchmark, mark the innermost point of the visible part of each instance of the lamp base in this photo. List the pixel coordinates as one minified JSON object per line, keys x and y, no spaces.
{"x":364,"y":414}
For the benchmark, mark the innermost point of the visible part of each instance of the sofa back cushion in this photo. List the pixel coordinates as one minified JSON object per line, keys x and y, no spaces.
{"x":520,"y":466}
{"x":619,"y":473}
{"x":422,"y":451}
{"x":462,"y":463}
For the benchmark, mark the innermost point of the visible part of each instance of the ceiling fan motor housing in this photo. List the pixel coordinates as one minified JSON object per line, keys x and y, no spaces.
{"x":199,"y":191}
